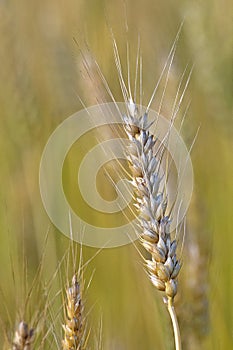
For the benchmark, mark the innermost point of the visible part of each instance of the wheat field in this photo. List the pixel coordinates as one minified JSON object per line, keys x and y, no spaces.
{"x":47,"y":74}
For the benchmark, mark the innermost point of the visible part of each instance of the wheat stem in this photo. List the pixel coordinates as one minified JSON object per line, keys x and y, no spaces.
{"x":175,"y":324}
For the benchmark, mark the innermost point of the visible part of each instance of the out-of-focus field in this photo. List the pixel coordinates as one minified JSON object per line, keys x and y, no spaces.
{"x":41,"y":74}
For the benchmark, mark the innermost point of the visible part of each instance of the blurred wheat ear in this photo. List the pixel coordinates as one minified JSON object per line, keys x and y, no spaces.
{"x":23,"y":337}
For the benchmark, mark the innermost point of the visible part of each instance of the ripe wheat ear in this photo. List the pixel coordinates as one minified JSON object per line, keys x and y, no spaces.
{"x":151,"y":202}
{"x":145,"y":158}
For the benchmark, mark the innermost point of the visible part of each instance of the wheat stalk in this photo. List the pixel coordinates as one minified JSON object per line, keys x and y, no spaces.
{"x":154,"y":221}
{"x":23,"y":337}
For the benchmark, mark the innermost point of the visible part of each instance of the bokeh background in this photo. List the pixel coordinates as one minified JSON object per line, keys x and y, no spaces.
{"x":42,"y":74}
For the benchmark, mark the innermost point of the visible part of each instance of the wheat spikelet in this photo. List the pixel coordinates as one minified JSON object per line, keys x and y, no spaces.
{"x":23,"y":337}
{"x":73,"y":328}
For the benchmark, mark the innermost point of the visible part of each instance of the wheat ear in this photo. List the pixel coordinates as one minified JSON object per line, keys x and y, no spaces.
{"x":73,"y":328}
{"x":154,"y":223}
{"x":23,"y":337}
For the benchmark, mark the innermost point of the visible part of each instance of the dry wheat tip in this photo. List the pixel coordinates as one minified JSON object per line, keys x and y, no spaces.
{"x":23,"y":337}
{"x":73,"y":327}
{"x":151,"y":201}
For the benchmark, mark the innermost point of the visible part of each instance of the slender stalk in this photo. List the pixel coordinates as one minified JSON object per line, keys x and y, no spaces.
{"x":175,"y":324}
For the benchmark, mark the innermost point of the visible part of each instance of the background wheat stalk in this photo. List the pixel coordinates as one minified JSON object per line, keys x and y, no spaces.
{"x":151,"y":201}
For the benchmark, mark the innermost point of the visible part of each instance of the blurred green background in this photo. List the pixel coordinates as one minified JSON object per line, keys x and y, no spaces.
{"x":41,"y":74}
